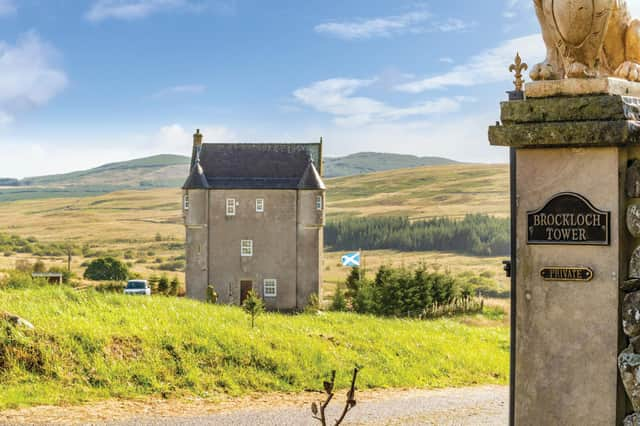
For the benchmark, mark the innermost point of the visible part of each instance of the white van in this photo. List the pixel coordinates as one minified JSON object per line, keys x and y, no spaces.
{"x":138,"y":287}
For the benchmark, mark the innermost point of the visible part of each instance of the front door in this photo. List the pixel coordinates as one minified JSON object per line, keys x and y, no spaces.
{"x":245,"y":288}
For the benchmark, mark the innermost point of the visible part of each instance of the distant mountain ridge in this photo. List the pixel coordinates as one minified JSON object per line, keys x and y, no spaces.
{"x":371,"y":162}
{"x":170,"y":171}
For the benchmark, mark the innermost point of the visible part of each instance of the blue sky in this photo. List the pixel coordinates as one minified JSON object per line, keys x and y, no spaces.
{"x":86,"y":82}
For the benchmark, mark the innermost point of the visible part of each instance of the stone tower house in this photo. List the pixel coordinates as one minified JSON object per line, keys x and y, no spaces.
{"x":254,"y":217}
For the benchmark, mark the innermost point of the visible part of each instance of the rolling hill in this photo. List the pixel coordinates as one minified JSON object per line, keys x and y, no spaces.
{"x":170,"y":171}
{"x":371,"y":162}
{"x":146,"y":226}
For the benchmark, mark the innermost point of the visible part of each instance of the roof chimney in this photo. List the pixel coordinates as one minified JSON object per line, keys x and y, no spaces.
{"x":197,"y":138}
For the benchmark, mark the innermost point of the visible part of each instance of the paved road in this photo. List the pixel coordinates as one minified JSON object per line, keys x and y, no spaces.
{"x":487,"y":405}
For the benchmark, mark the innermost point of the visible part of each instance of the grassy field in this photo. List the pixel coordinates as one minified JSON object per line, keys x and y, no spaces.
{"x":89,"y":346}
{"x":149,"y":223}
{"x":453,"y":190}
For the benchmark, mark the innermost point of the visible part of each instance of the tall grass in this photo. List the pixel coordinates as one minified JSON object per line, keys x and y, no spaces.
{"x":89,"y":345}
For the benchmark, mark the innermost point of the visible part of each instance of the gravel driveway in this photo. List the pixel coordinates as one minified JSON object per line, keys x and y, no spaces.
{"x":485,"y":405}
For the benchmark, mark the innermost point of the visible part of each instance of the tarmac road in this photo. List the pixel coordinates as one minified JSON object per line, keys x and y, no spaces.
{"x":485,"y":405}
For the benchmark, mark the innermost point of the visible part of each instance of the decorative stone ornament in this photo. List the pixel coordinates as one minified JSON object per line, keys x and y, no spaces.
{"x":632,"y":420}
{"x":633,"y":220}
{"x":631,"y":314}
{"x":588,"y":39}
{"x":634,"y":264}
{"x":629,"y":365}
{"x":633,"y":180}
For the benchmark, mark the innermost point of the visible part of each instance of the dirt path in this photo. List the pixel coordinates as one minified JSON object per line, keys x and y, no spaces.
{"x":484,"y":405}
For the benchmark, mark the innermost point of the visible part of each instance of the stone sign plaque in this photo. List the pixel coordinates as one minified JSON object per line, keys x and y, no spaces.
{"x":570,"y":219}
{"x":566,"y":273}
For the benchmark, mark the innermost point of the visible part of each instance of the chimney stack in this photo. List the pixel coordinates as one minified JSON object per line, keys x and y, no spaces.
{"x":197,"y":138}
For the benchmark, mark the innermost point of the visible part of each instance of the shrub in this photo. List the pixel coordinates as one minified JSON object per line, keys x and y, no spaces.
{"x":313,"y":304}
{"x":106,"y":269}
{"x":212,"y":296}
{"x":163,"y":284}
{"x":253,"y":305}
{"x":20,"y":279}
{"x":153,"y":283}
{"x":173,"y":286}
{"x":338,"y":302}
{"x":401,"y":292}
{"x":177,"y":265}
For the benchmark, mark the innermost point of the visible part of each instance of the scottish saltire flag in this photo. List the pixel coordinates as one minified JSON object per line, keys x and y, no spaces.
{"x":351,"y":259}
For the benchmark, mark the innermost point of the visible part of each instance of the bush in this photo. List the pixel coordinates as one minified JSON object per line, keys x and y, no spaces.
{"x":338,"y":302}
{"x":20,"y":279}
{"x":173,"y":286}
{"x":404,"y":293}
{"x":163,"y":285}
{"x":106,"y":269}
{"x":313,"y":304}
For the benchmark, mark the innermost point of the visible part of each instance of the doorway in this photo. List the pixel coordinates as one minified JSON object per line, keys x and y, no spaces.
{"x":245,"y":288}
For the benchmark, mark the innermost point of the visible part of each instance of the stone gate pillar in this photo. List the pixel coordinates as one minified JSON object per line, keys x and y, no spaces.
{"x":573,"y":146}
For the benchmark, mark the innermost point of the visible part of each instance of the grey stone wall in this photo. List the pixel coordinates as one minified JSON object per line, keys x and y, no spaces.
{"x":196,"y":228}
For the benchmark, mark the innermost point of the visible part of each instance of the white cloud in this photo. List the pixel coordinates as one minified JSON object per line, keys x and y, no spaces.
{"x":133,"y":9}
{"x":187,"y":89}
{"x":374,"y":27}
{"x":30,"y":77}
{"x":463,"y":138}
{"x":174,"y":138}
{"x":413,"y":22}
{"x":489,"y":66}
{"x":7,"y":7}
{"x":336,"y":97}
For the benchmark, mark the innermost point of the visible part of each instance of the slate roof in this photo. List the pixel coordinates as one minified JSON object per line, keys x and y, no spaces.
{"x":255,"y":166}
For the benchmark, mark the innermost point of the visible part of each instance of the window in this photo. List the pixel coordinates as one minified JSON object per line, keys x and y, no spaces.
{"x":246,"y":248}
{"x":270,"y":288}
{"x":231,"y":206}
{"x":319,"y":202}
{"x":185,"y":201}
{"x":260,"y":205}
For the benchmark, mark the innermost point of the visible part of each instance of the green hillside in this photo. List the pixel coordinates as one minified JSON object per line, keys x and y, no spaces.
{"x":371,"y":162}
{"x":170,"y":171}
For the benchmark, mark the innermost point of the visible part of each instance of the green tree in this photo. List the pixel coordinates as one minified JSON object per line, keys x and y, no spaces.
{"x":253,"y":305}
{"x":106,"y":269}
{"x":163,"y":284}
{"x":339,"y":302}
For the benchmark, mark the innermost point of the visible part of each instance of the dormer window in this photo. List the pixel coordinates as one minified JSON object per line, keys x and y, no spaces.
{"x":231,"y":206}
{"x":260,"y":205}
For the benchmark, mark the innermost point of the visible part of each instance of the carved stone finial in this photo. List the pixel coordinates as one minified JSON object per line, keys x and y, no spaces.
{"x":518,"y":66}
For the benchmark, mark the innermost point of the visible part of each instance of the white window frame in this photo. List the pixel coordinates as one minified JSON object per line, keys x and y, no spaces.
{"x":231,"y":207}
{"x":270,"y":283}
{"x":259,"y":205}
{"x":246,"y":248}
{"x":319,"y":202}
{"x":185,"y":201}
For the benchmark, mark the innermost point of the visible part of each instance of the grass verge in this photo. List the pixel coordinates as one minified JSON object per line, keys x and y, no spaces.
{"x":89,"y":346}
